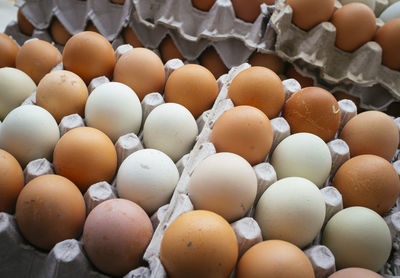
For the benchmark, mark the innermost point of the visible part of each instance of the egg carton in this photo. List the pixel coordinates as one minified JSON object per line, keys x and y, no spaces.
{"x":360,"y":71}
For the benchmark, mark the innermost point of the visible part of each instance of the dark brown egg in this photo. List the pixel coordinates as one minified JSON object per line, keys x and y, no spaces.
{"x":271,"y":61}
{"x":24,"y":24}
{"x":131,"y":38}
{"x":388,"y":37}
{"x":8,"y":51}
{"x":213,"y":62}
{"x":309,"y":13}
{"x":169,"y":50}
{"x":58,"y":32}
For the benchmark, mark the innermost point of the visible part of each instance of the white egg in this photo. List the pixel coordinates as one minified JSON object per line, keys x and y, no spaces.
{"x":15,"y":87}
{"x":302,"y":155}
{"x":171,"y":129}
{"x":115,"y":109}
{"x":358,"y":237}
{"x":147,"y":177}
{"x":291,"y":209}
{"x":391,"y":12}
{"x":224,"y":183}
{"x":29,"y":132}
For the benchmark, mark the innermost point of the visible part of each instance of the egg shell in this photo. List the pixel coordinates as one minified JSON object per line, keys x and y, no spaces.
{"x":204,"y":5}
{"x":355,"y":25}
{"x":291,"y":209}
{"x":29,"y":132}
{"x":169,"y":50}
{"x":355,"y":272}
{"x":62,"y":93}
{"x":391,"y":12}
{"x":8,"y":51}
{"x":309,"y":13}
{"x":115,"y":236}
{"x":147,"y":177}
{"x":369,"y":3}
{"x":358,"y":237}
{"x":142,"y":70}
{"x":211,"y":60}
{"x":11,"y":181}
{"x":388,"y":37}
{"x":313,"y":110}
{"x":115,"y":109}
{"x":274,"y":258}
{"x":302,"y":155}
{"x":24,"y":24}
{"x":50,"y":209}
{"x":245,"y":131}
{"x":58,"y":32}
{"x":268,"y":60}
{"x":170,"y":128}
{"x":86,"y":156}
{"x":249,"y":10}
{"x":37,"y":58}
{"x":192,"y":86}
{"x":15,"y":87}
{"x":379,"y":137}
{"x":199,"y":244}
{"x":89,"y":55}
{"x":224,"y":183}
{"x":131,"y":37}
{"x":369,"y":181}
{"x":259,"y":87}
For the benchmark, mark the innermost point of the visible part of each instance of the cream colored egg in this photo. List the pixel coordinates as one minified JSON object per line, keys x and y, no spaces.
{"x":391,"y":12}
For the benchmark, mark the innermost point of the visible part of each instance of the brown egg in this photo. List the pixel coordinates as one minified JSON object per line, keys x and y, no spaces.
{"x":36,"y":58}
{"x":313,"y":110}
{"x":340,"y":95}
{"x":371,"y":132}
{"x":62,"y":93}
{"x":249,"y":10}
{"x":309,"y":13}
{"x":211,"y":60}
{"x":24,"y":24}
{"x":8,"y":51}
{"x":369,"y":181}
{"x":115,"y":236}
{"x":86,"y":156}
{"x":131,"y":38}
{"x":58,"y":32}
{"x":192,"y":86}
{"x":11,"y":181}
{"x":355,"y":25}
{"x":259,"y":87}
{"x":199,"y":244}
{"x":142,"y":70}
{"x":50,"y":209}
{"x":169,"y":50}
{"x":89,"y":55}
{"x":91,"y":27}
{"x":245,"y":131}
{"x":274,"y":258}
{"x":121,"y":2}
{"x":355,"y":272}
{"x":204,"y":5}
{"x":388,"y":37}
{"x":304,"y":81}
{"x":271,"y":61}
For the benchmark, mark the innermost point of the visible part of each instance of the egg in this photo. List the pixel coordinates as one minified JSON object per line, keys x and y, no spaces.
{"x":271,"y":61}
{"x":169,"y":50}
{"x":62,"y":93}
{"x":369,"y":181}
{"x":274,"y":258}
{"x":379,"y":137}
{"x":121,"y":2}
{"x":89,"y":55}
{"x":291,"y":209}
{"x":358,"y":237}
{"x":259,"y":87}
{"x":245,"y":131}
{"x":115,"y":236}
{"x":8,"y":51}
{"x":369,"y":3}
{"x":147,"y":177}
{"x":91,"y":27}
{"x":313,"y":110}
{"x":204,"y":5}
{"x":224,"y":183}
{"x":355,"y":25}
{"x":50,"y":209}
{"x":114,"y":109}
{"x":131,"y":38}
{"x":192,"y":86}
{"x":142,"y":70}
{"x":249,"y":10}
{"x":211,"y":60}
{"x":85,"y":156}
{"x":29,"y":132}
{"x":170,"y":128}
{"x":391,"y":12}
{"x":199,"y":244}
{"x":37,"y":58}
{"x":302,"y":155}
{"x":58,"y":32}
{"x":355,"y":272}
{"x":24,"y":24}
{"x":11,"y":181}
{"x":309,"y":13}
{"x":304,"y":81}
{"x":388,"y":37}
{"x":15,"y":87}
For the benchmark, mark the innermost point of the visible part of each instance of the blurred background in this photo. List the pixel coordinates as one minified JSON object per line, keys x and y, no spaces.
{"x":7,"y":13}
